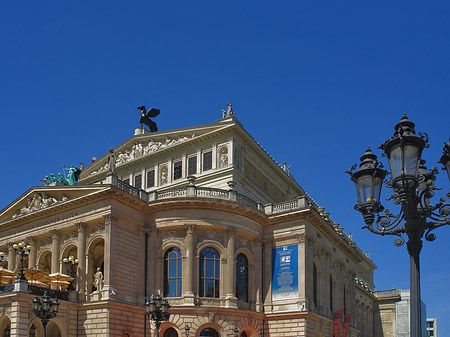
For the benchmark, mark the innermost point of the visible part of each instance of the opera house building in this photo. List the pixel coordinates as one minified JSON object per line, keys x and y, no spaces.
{"x":200,"y":216}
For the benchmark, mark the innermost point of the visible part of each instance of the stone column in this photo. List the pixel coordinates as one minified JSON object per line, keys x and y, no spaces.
{"x":32,"y":254}
{"x":231,"y":299}
{"x":267,"y":276}
{"x":11,"y":257}
{"x":189,"y":269}
{"x":151,"y":246}
{"x":301,"y":242}
{"x":256,"y":275}
{"x":81,"y":255}
{"x":109,"y":258}
{"x":55,"y":251}
{"x":230,"y":269}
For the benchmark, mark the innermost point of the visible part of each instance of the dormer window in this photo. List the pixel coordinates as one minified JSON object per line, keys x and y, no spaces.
{"x":207,"y":161}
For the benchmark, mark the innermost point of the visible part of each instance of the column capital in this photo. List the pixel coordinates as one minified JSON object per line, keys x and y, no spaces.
{"x":54,"y":234}
{"x":81,"y":226}
{"x":190,"y":228}
{"x":301,"y":237}
{"x":231,"y":231}
{"x":110,"y":218}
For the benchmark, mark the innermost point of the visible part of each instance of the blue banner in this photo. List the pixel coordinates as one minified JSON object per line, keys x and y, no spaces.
{"x":285,"y":272}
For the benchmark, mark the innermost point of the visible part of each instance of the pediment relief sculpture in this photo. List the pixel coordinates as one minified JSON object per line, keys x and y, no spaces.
{"x":37,"y":202}
{"x":142,"y":149}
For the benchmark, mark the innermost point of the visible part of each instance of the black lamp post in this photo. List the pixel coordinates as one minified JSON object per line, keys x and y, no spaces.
{"x":236,"y":332}
{"x":33,"y":331}
{"x":7,"y":332}
{"x":23,"y":251}
{"x":186,"y":330}
{"x":157,"y":310}
{"x":72,"y":261}
{"x":45,"y":310}
{"x":413,"y":187}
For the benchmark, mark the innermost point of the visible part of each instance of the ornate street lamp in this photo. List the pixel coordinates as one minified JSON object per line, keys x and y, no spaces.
{"x":71,"y":260}
{"x":413,"y":187}
{"x":186,"y":330}
{"x":157,"y":310}
{"x":236,"y":332}
{"x":45,"y":310}
{"x":23,"y":251}
{"x":7,"y":332}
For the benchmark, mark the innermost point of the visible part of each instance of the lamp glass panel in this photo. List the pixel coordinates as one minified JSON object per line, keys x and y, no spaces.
{"x":412,"y":158}
{"x":377,"y":184}
{"x":364,"y":189}
{"x":395,"y":161}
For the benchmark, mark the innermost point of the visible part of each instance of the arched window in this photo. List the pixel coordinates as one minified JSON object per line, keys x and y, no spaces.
{"x":172,"y":272}
{"x":315,"y":285}
{"x":209,"y":273}
{"x":208,"y":332}
{"x":331,"y":293}
{"x":242,"y":278}
{"x":171,"y":332}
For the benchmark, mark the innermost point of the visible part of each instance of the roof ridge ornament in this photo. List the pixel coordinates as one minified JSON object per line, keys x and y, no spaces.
{"x":145,"y":117}
{"x":229,"y":112}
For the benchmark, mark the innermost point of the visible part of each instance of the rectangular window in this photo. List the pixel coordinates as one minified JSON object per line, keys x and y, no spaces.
{"x":207,"y":161}
{"x":192,"y":165}
{"x":127,"y":181}
{"x":177,"y":170}
{"x":150,"y":178}
{"x":138,"y":181}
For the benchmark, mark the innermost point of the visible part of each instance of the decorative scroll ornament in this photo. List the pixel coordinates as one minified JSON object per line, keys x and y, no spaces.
{"x":39,"y":201}
{"x":141,"y":149}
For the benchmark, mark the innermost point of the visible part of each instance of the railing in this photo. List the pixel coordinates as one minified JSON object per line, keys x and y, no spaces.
{"x":8,"y":288}
{"x":212,"y":193}
{"x":208,"y":192}
{"x":128,"y":188}
{"x":174,"y":193}
{"x":61,"y":295}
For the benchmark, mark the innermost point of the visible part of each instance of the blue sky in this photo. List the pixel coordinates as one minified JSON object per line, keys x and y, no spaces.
{"x":315,"y":82}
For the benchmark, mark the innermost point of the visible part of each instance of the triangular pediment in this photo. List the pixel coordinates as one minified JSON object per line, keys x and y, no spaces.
{"x":143,"y":146}
{"x":42,"y":198}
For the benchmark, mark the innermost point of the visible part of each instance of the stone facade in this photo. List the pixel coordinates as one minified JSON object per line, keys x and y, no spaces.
{"x":178,"y":196}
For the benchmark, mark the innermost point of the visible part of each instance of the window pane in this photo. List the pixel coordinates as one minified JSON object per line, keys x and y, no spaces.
{"x":150,"y":178}
{"x":138,"y":181}
{"x":209,"y":288}
{"x":172,"y":268}
{"x":209,"y":271}
{"x":207,"y":161}
{"x":192,"y":165}
{"x":177,"y":170}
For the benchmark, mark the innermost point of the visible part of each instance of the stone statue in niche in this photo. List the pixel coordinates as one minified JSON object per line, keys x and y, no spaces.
{"x":229,"y":112}
{"x":163,"y":175}
{"x":98,"y":280}
{"x":223,"y":157}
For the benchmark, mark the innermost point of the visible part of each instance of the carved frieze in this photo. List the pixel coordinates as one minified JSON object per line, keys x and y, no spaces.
{"x":211,"y":234}
{"x":141,"y":149}
{"x":176,"y":235}
{"x":97,"y":230}
{"x":71,"y":236}
{"x":37,"y":202}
